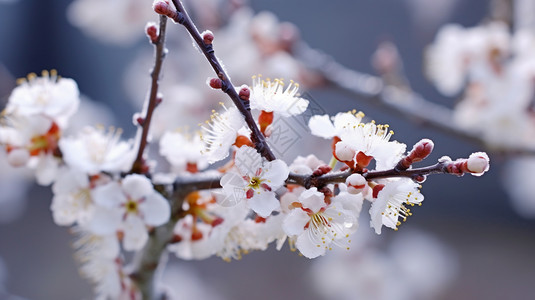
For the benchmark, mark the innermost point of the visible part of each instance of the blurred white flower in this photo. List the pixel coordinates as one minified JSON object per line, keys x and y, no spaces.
{"x":93,"y":151}
{"x":368,"y":272}
{"x":129,"y":207}
{"x":72,"y":198}
{"x":183,"y":151}
{"x":117,"y":22}
{"x":49,"y":95}
{"x":518,"y":183}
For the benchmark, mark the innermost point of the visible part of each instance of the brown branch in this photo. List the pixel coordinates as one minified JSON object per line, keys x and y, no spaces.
{"x":228,"y":88}
{"x":139,"y":165}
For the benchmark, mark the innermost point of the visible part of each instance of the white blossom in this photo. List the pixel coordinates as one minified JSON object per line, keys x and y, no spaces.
{"x":49,"y":95}
{"x":390,"y":205}
{"x":271,"y":96}
{"x":72,"y":201}
{"x":317,"y":224}
{"x":129,"y":206}
{"x":322,"y":126}
{"x":117,"y":22}
{"x":93,"y":150}
{"x":256,"y":180}
{"x":220,"y":133}
{"x":183,"y":151}
{"x":204,"y":231}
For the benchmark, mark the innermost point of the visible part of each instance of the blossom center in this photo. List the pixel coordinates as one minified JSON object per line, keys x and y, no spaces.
{"x":132,"y":207}
{"x":255,"y":182}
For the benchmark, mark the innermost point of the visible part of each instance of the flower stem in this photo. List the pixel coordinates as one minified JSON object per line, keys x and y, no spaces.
{"x":139,"y":165}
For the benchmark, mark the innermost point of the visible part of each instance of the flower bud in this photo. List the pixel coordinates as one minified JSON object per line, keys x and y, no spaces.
{"x":152,"y":32}
{"x":18,"y":157}
{"x":244,"y":93}
{"x":321,"y":170}
{"x":344,"y":151}
{"x":207,"y":37}
{"x":163,"y":7}
{"x":355,"y":183}
{"x":478,"y":163}
{"x":419,"y":152}
{"x":215,"y":83}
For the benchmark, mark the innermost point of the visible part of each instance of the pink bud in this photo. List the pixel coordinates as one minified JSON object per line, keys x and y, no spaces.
{"x":355,"y":183}
{"x":208,"y":37}
{"x":152,"y":32}
{"x":244,"y":93}
{"x":162,"y":7}
{"x":215,"y":83}
{"x":321,"y":170}
{"x":478,"y":163}
{"x":419,"y":152}
{"x":18,"y":157}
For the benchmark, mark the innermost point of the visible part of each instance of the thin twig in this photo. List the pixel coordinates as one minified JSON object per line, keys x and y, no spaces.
{"x":159,"y":50}
{"x":228,"y":88}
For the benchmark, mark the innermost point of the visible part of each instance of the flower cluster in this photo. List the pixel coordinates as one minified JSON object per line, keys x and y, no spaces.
{"x":490,"y":64}
{"x":84,"y":172}
{"x":492,"y":68}
{"x":112,"y":196}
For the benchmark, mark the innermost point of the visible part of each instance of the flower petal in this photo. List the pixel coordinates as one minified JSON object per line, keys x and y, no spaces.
{"x":312,"y":199}
{"x":135,"y":233}
{"x":295,"y":222}
{"x":322,"y":126}
{"x":108,"y":195}
{"x":137,"y":186}
{"x":264,"y":203}
{"x":308,"y":247}
{"x":275,"y":173}
{"x":156,"y":210}
{"x":104,"y":221}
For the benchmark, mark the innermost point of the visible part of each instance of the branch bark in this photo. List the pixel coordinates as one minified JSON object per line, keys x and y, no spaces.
{"x":159,"y":55}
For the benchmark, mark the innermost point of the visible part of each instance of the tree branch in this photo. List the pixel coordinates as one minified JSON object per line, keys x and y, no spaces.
{"x":398,"y":101}
{"x":159,"y":54}
{"x":228,"y":88}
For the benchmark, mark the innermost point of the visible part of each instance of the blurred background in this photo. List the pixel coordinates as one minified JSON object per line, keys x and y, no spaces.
{"x":465,"y":242}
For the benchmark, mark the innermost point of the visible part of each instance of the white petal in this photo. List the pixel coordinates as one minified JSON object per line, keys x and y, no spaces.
{"x":294,"y":223}
{"x":308,"y":247}
{"x":376,"y":217}
{"x":64,"y":214}
{"x":276,"y":173}
{"x":137,"y":186}
{"x":135,"y":234}
{"x":233,"y":188}
{"x":156,"y":210}
{"x":109,"y":195}
{"x":248,"y":160}
{"x":312,"y":199}
{"x":46,"y":170}
{"x":104,"y":221}
{"x":264,"y":203}
{"x":321,"y":126}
